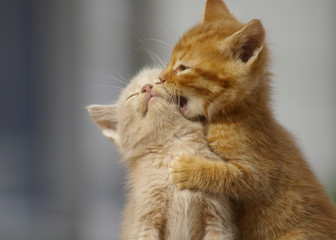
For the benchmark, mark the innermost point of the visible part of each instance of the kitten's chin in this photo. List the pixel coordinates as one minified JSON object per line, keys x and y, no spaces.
{"x":154,"y":99}
{"x":152,"y":102}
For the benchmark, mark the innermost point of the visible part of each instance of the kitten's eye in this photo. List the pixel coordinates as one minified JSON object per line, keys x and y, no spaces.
{"x":181,"y":68}
{"x":131,"y":96}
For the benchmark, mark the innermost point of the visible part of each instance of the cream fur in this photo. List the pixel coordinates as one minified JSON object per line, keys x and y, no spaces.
{"x":150,"y":139}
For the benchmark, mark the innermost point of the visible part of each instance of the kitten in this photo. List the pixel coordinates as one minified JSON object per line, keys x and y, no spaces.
{"x":219,"y":69}
{"x":150,"y":133}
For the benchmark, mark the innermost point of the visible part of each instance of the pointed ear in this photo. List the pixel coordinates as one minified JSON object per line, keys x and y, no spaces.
{"x":247,"y":43}
{"x":216,"y":10}
{"x":105,"y":117}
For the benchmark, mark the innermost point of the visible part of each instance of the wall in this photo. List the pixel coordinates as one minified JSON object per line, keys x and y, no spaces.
{"x":59,"y":177}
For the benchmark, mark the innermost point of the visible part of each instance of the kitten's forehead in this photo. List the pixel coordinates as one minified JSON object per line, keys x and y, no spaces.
{"x":204,"y":36}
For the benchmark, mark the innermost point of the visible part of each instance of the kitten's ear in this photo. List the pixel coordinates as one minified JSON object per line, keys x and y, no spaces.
{"x":216,"y":10}
{"x":105,"y":117}
{"x":247,"y":43}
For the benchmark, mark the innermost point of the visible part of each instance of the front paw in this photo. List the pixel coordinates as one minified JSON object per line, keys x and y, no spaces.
{"x":182,"y":171}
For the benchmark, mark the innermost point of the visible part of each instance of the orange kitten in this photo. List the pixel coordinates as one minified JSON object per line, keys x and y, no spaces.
{"x":219,"y":70}
{"x":150,"y":133}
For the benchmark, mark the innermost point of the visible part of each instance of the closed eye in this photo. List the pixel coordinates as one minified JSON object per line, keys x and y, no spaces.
{"x":181,"y":68}
{"x":131,"y":96}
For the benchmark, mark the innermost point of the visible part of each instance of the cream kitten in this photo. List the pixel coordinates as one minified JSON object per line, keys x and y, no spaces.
{"x":151,"y":133}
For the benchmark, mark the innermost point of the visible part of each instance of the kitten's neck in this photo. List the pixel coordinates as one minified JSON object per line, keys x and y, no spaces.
{"x":155,"y":139}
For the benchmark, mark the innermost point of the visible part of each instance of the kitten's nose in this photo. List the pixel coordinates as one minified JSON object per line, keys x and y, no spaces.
{"x":161,"y":79}
{"x":147,"y":88}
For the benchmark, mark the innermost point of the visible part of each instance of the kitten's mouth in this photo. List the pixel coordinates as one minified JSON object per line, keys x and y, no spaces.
{"x":183,"y":102}
{"x":151,"y":97}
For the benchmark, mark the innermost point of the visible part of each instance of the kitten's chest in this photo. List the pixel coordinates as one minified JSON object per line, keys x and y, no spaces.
{"x":158,"y":160}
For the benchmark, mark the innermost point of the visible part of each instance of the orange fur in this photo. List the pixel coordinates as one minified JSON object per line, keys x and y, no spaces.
{"x":221,"y":67}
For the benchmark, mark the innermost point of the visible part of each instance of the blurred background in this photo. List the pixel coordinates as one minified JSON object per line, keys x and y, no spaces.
{"x":60,"y":179}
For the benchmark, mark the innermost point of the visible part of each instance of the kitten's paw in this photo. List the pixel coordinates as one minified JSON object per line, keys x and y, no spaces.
{"x":182,"y":171}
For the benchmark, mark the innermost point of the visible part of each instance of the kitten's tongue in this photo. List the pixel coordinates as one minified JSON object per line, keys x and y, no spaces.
{"x":183,"y":105}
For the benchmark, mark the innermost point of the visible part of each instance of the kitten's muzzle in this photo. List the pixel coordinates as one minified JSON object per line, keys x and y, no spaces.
{"x":147,"y":88}
{"x":162,"y":80}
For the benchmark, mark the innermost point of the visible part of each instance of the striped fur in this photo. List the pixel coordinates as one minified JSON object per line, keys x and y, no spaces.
{"x":224,"y":76}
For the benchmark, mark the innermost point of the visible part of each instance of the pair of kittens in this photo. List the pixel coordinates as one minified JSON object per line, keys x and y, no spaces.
{"x":237,"y":174}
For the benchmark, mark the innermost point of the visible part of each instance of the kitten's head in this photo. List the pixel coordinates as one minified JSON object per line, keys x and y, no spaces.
{"x":216,"y":64}
{"x":143,"y":115}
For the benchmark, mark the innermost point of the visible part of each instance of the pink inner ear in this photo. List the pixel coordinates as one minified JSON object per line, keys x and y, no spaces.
{"x":248,"y":40}
{"x":248,"y":49}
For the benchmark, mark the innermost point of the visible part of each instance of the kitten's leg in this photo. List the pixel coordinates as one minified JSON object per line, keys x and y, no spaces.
{"x":218,"y":219}
{"x":148,"y":233}
{"x":127,"y":220}
{"x":150,"y":217}
{"x":150,"y":226}
{"x":236,"y":178}
{"x":302,"y":235}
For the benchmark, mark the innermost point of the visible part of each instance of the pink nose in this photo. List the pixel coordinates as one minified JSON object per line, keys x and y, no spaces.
{"x":147,"y":88}
{"x":162,"y":80}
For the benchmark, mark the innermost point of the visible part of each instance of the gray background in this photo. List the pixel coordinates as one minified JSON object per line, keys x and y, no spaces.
{"x":59,"y":177}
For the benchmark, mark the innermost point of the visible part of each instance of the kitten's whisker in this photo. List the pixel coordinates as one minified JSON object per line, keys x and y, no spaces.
{"x":158,"y":59}
{"x":105,"y":93}
{"x":178,"y":100}
{"x":119,"y":80}
{"x":122,"y":78}
{"x":160,"y":41}
{"x":106,"y":76}
{"x":166,"y":31}
{"x":172,"y":97}
{"x":105,"y":86}
{"x":155,"y":57}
